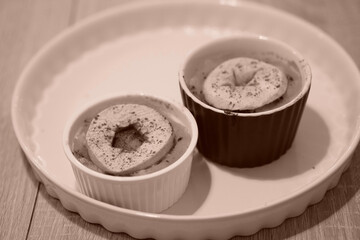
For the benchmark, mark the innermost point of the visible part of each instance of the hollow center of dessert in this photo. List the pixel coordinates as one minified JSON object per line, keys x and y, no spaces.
{"x":243,"y":78}
{"x":242,"y":83}
{"x":128,"y":138}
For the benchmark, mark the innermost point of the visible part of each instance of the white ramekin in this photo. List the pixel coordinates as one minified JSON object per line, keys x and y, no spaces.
{"x":153,"y":192}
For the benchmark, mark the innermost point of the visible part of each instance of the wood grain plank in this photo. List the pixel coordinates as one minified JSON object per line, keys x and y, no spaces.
{"x":86,"y":8}
{"x":24,"y":27}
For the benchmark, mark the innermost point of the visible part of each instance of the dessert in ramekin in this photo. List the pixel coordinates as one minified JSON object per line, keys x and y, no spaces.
{"x":133,"y":151}
{"x":247,"y":94}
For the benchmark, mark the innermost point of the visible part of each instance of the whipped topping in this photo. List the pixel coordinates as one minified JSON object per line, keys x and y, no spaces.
{"x":242,"y":84}
{"x":182,"y":140}
{"x":126,"y":138}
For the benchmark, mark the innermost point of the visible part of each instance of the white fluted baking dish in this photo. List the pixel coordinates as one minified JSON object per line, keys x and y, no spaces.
{"x":142,"y":43}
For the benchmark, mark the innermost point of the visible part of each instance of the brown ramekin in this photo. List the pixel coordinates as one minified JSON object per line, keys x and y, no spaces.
{"x":244,"y":139}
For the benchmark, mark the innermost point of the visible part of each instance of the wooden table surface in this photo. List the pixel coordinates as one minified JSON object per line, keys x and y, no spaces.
{"x":28,"y":212}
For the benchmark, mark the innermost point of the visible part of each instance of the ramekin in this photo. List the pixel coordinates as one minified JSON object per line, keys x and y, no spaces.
{"x":153,"y":192}
{"x":244,"y":139}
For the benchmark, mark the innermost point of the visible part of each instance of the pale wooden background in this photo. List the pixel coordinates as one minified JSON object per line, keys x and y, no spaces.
{"x":28,"y":212}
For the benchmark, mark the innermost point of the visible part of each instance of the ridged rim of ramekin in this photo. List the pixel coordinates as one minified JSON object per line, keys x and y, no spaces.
{"x":305,"y":71}
{"x":119,"y":179}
